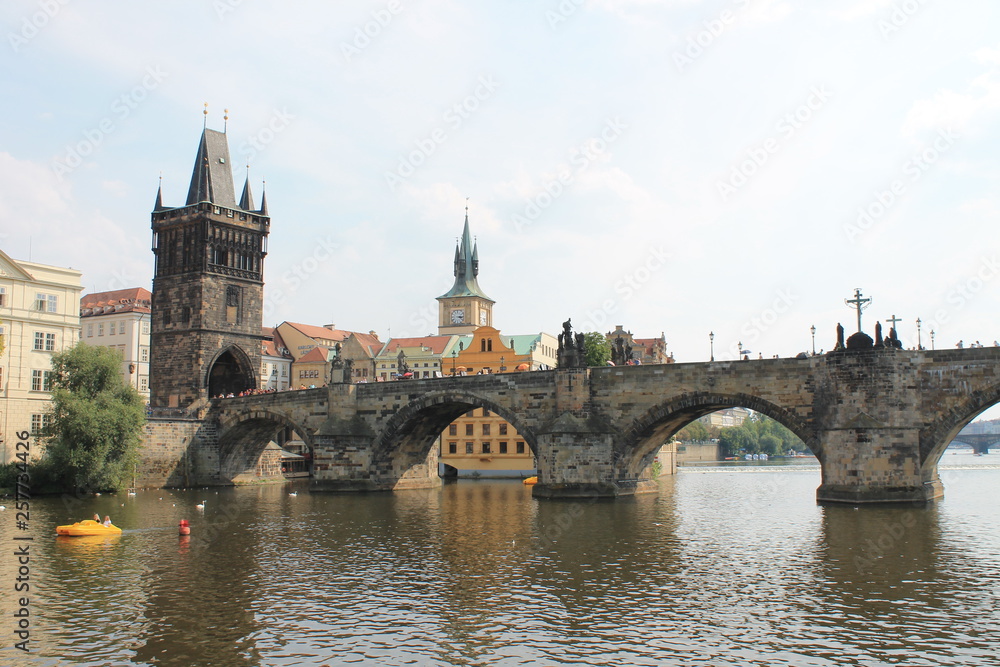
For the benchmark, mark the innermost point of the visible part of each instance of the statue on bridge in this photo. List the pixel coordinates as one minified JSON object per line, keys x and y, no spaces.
{"x":571,"y":349}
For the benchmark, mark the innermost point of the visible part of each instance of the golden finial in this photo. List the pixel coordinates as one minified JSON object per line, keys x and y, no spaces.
{"x":225,"y":119}
{"x":205,"y":114}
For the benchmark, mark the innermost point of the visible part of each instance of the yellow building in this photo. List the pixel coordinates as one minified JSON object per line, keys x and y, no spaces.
{"x":481,"y":443}
{"x":39,"y":316}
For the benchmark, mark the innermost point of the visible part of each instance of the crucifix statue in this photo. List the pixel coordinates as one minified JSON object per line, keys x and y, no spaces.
{"x":859,"y":303}
{"x":892,"y":321}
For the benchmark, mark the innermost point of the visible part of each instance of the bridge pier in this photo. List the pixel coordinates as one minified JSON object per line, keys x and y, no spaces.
{"x":875,"y":465}
{"x":345,"y":460}
{"x":576,"y":460}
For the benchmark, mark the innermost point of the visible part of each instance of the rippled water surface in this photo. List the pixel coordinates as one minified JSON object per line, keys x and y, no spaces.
{"x":728,"y":565}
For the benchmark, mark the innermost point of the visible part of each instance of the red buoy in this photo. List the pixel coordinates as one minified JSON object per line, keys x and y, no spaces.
{"x":185,"y":529}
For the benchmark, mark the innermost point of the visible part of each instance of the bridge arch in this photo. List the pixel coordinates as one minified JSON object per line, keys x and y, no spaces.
{"x":407,"y":437}
{"x":644,"y":435}
{"x":244,"y":435}
{"x":934,"y":439}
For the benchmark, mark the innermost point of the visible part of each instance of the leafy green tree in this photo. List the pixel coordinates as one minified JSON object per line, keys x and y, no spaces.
{"x":94,"y":437}
{"x":694,"y":432}
{"x":597,"y":349}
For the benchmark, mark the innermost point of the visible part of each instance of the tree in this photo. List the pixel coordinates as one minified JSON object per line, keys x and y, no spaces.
{"x":94,"y":437}
{"x":694,"y":432}
{"x":597,"y":349}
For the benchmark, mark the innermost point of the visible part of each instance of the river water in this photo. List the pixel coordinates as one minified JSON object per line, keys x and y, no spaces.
{"x":728,"y":565}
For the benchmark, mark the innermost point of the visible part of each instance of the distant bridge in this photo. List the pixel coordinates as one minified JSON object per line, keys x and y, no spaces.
{"x":979,"y":441}
{"x":878,"y":421}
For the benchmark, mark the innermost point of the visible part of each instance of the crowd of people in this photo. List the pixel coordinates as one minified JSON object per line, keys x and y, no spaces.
{"x":247,"y":392}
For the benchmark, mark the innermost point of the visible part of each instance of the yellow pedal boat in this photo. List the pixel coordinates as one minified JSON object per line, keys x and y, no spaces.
{"x":88,"y":527}
{"x":531,"y":480}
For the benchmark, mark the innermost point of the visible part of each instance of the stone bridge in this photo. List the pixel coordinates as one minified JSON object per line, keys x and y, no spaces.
{"x":878,"y":421}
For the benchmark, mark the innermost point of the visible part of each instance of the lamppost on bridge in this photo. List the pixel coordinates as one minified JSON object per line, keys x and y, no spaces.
{"x":739,"y":346}
{"x":711,"y":345}
{"x":932,"y":339}
{"x":919,"y":346}
{"x":454,"y":354}
{"x":812,"y":330}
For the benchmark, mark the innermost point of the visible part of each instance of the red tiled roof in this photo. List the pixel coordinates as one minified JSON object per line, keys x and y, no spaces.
{"x":369,"y":343}
{"x":133,"y":299}
{"x":318,"y":353}
{"x":320,"y":332}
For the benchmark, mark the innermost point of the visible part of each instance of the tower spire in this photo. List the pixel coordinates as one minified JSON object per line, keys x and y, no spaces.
{"x":246,"y":201}
{"x":263,"y":198}
{"x":466,"y":266}
{"x":158,"y":205}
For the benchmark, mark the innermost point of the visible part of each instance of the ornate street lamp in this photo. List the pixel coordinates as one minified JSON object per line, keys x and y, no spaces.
{"x":812,"y":329}
{"x":711,"y":345}
{"x":919,"y":346}
{"x":454,"y":354}
{"x":932,"y":339}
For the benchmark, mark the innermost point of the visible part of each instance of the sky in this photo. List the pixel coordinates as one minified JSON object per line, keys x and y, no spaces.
{"x":731,"y":168}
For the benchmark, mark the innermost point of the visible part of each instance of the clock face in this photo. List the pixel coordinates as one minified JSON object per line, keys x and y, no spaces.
{"x":482,"y":317}
{"x":457,"y":316}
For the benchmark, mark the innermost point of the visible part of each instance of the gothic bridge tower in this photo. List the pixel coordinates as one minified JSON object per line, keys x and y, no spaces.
{"x":208,"y":285}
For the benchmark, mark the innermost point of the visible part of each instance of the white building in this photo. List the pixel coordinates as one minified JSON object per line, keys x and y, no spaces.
{"x":39,"y":316}
{"x":120,"y":320}
{"x":275,"y":361}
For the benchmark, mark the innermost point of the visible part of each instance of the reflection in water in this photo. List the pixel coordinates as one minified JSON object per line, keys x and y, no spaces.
{"x":724,"y":567}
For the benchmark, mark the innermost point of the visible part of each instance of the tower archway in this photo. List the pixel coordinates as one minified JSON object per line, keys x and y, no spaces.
{"x":230,"y":373}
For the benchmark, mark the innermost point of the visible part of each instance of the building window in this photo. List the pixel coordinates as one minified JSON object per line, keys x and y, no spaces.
{"x":503,"y":446}
{"x":468,"y":448}
{"x":452,"y":429}
{"x":144,"y":383}
{"x":90,"y":331}
{"x":503,"y":429}
{"x":41,"y":380}
{"x":520,"y":447}
{"x":46,"y":303}
{"x":45,"y":341}
{"x":100,"y":329}
{"x":486,"y":448}
{"x":145,"y":328}
{"x":38,"y":422}
{"x":144,"y":353}
{"x":3,"y":296}
{"x":284,"y":371}
{"x":486,"y":429}
{"x":468,"y":429}
{"x":452,"y":447}
{"x":121,"y":327}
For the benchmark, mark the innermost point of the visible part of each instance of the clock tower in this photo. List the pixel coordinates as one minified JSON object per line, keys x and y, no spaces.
{"x":464,"y":307}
